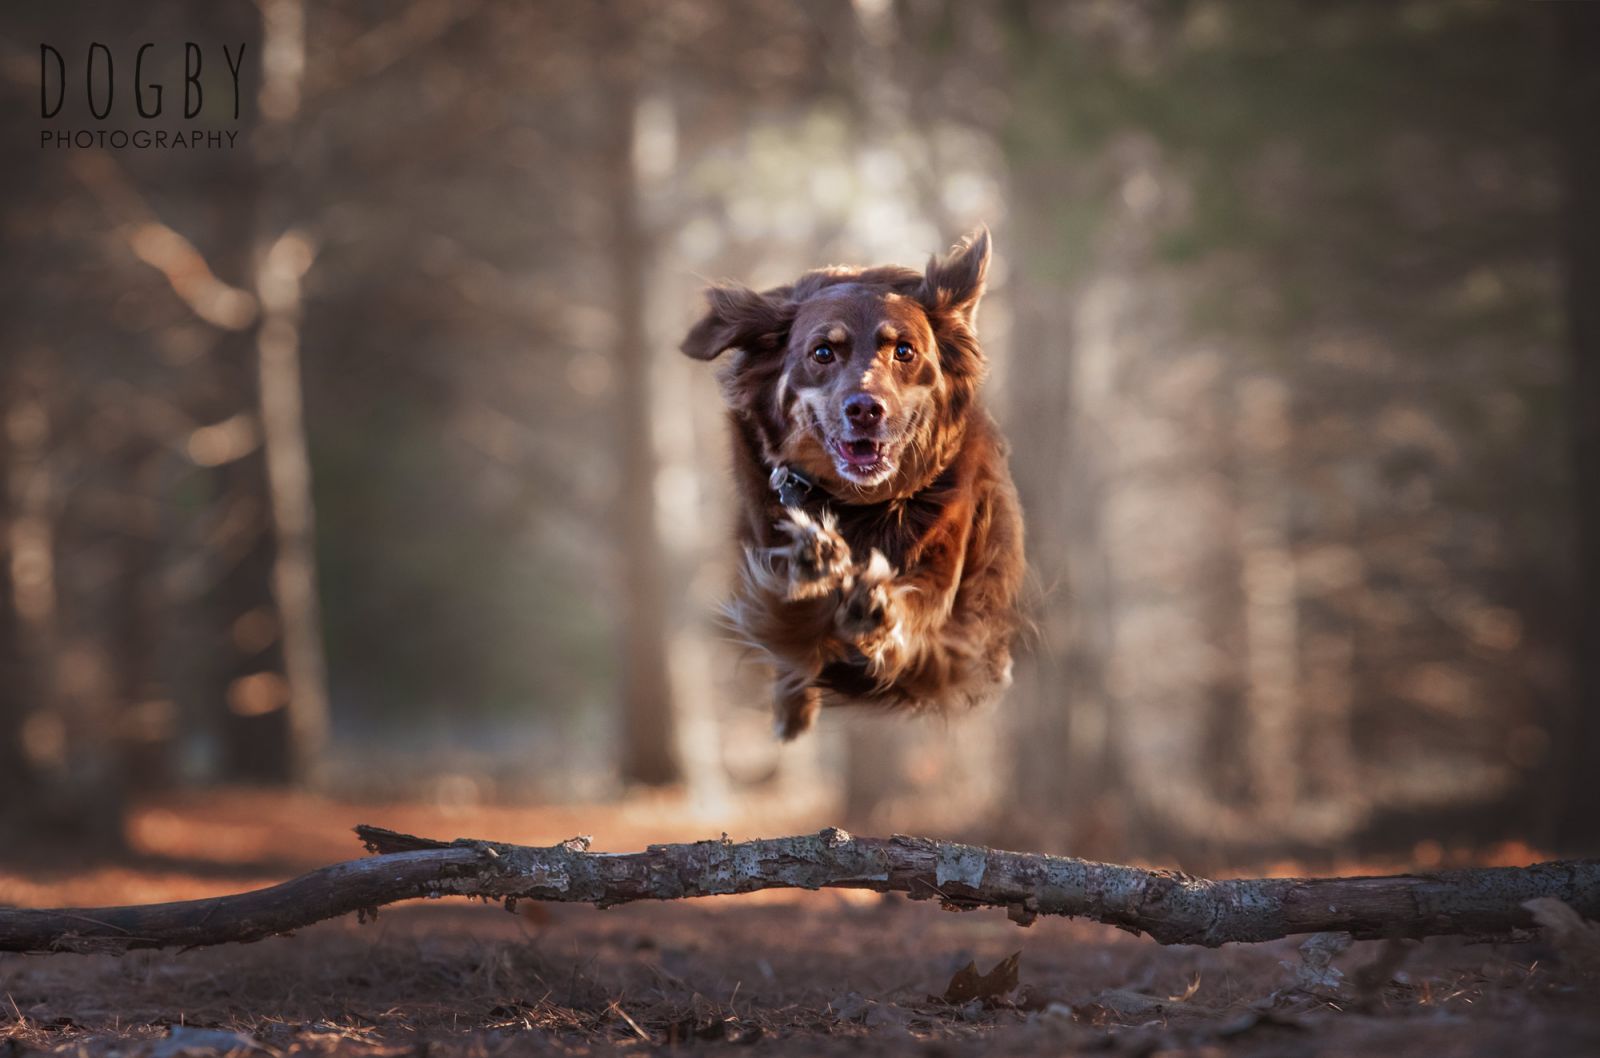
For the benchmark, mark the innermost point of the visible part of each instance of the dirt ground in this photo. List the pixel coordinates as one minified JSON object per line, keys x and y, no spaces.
{"x":779,"y":973}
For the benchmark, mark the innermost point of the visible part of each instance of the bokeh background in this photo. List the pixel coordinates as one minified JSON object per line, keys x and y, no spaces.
{"x":358,"y":459}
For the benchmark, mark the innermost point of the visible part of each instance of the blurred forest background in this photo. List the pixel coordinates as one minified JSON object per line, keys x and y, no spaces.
{"x":359,"y":456}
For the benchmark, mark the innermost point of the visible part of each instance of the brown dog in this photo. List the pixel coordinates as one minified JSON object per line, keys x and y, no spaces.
{"x":882,"y":534}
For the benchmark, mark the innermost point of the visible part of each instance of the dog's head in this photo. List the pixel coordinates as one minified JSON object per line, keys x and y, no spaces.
{"x":859,"y":378}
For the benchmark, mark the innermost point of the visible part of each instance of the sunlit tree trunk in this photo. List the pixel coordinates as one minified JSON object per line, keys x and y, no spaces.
{"x":281,"y":257}
{"x":246,"y":734}
{"x":294,"y":573}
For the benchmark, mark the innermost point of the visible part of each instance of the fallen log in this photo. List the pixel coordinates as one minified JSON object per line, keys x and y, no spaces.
{"x":1172,"y":907}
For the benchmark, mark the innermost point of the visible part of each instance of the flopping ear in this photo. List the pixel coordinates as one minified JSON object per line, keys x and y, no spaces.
{"x":954,"y":283}
{"x":950,"y":293}
{"x":740,"y":318}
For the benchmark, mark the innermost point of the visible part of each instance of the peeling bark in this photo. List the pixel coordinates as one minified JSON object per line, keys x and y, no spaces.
{"x":1172,"y":907}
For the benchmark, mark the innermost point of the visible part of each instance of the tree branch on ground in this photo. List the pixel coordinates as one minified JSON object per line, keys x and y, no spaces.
{"x":1172,"y":907}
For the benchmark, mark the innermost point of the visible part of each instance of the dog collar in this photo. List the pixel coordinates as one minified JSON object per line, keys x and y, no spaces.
{"x":793,"y":488}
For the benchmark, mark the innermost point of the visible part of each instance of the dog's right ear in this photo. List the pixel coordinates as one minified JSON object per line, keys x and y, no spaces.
{"x":740,"y":318}
{"x":955,"y":282}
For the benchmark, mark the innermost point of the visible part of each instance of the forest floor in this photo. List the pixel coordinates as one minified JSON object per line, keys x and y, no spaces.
{"x":778,"y":973}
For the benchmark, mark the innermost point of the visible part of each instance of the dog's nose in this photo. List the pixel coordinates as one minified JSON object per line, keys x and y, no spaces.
{"x":863,"y":409}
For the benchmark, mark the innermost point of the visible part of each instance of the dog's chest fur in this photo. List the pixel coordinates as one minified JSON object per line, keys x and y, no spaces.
{"x":896,"y":527}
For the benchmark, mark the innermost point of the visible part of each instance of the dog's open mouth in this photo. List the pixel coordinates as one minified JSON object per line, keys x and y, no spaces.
{"x":862,"y":460}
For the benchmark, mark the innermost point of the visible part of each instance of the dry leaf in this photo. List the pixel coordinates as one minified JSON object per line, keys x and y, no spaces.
{"x":1188,"y":993}
{"x":1126,"y":1003}
{"x":968,"y":984}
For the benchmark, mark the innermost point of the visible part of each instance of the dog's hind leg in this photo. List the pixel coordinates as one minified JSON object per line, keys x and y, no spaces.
{"x":795,"y":634}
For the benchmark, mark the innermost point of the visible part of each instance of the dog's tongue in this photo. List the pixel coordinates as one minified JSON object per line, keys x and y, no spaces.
{"x":859,"y":453}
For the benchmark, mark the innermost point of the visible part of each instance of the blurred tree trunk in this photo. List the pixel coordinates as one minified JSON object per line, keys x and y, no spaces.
{"x":144,"y":716}
{"x":1056,"y":669}
{"x":1272,"y":725}
{"x":294,"y":574}
{"x":277,"y":683}
{"x":60,"y":758}
{"x":71,"y":742}
{"x":32,"y":550}
{"x":14,"y":765}
{"x":252,"y":690}
{"x":690,"y":518}
{"x":254,"y":693}
{"x":649,"y":734}
{"x":1061,"y":705}
{"x":1579,"y":40}
{"x":282,"y":257}
{"x":1134,"y":669}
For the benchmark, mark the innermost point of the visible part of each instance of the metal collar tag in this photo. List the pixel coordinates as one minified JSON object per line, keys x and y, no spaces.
{"x":792,"y":487}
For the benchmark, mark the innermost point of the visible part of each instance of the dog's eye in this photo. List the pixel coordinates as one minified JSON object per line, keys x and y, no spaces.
{"x":904,"y":352}
{"x":823,"y":354}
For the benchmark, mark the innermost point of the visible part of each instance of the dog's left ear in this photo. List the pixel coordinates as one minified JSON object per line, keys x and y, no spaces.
{"x":740,"y":318}
{"x":954,"y":283}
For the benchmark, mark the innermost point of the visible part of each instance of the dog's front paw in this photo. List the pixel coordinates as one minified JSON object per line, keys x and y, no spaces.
{"x":869,"y":614}
{"x":817,"y":559}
